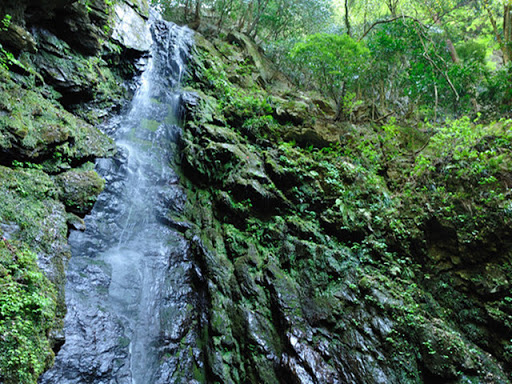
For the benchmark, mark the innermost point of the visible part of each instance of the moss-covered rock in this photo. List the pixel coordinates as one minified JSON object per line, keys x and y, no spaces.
{"x":356,"y":269}
{"x":129,"y":27}
{"x":34,"y":127}
{"x":80,"y":188}
{"x":32,"y":213}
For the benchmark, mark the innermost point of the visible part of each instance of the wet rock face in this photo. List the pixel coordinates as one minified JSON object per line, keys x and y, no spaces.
{"x":130,"y":28}
{"x":221,"y":158}
{"x":80,"y":26}
{"x":18,"y":39}
{"x":42,"y":128}
{"x":73,"y":78}
{"x":134,"y":311}
{"x":70,"y":43}
{"x":32,"y":214}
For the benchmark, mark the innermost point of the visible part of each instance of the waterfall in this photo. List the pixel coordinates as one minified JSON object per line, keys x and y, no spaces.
{"x":131,"y":306}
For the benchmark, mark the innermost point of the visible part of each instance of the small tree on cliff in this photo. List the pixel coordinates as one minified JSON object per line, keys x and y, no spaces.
{"x":331,"y":63}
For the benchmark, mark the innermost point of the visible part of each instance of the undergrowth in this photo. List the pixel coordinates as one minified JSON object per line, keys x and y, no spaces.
{"x":27,"y":312}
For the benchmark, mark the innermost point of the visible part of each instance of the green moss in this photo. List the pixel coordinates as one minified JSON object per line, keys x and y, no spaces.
{"x":31,"y":120}
{"x":29,"y":199}
{"x":31,"y":212}
{"x":32,"y":125}
{"x":150,"y":125}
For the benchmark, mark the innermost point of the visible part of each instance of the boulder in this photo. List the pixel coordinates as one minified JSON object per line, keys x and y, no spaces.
{"x":324,"y":106}
{"x":75,"y":78}
{"x":322,"y":134}
{"x":266,"y":70}
{"x":290,"y":111}
{"x":141,"y":6}
{"x":81,"y":26}
{"x":41,"y":128}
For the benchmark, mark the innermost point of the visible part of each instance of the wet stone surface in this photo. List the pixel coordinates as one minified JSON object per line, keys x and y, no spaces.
{"x":131,"y":302}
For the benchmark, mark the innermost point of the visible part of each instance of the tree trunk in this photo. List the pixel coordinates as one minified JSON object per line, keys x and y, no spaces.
{"x":245,"y":16}
{"x":253,"y":29}
{"x":197,"y":14}
{"x":347,"y":19}
{"x":392,"y":6}
{"x":340,"y":105}
{"x":453,"y":52}
{"x":436,"y":95}
{"x":503,"y":42}
{"x":221,"y":16}
{"x":186,"y":11}
{"x":449,"y":43}
{"x":198,"y":9}
{"x":382,"y":95}
{"x":507,"y":32}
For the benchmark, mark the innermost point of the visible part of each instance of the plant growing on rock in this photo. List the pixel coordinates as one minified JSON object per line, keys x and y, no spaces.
{"x":27,"y":313}
{"x":5,"y":56}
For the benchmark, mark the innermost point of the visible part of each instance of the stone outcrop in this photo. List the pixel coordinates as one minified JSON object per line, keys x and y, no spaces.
{"x":312,"y":267}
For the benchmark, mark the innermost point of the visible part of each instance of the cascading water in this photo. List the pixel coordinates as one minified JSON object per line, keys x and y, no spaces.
{"x":130,"y":300}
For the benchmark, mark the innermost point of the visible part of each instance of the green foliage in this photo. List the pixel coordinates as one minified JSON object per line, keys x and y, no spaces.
{"x":27,"y":202}
{"x":248,"y":110}
{"x":26,"y":164}
{"x":263,"y":126}
{"x":472,"y":50}
{"x":333,"y":63}
{"x":461,"y":176}
{"x":6,"y":57}
{"x":27,"y":312}
{"x":269,"y":20}
{"x":412,"y":73}
{"x":6,"y":21}
{"x":497,"y":94}
{"x":347,"y":222}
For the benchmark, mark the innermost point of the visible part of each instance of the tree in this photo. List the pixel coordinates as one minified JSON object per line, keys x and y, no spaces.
{"x":332,"y":64}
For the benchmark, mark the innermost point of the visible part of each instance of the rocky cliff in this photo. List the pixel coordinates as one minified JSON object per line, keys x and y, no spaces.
{"x":64,"y":67}
{"x":342,"y":253}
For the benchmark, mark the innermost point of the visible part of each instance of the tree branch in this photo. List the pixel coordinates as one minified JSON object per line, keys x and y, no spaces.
{"x":389,"y":21}
{"x":435,"y":66}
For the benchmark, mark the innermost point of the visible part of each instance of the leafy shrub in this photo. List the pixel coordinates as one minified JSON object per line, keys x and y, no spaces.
{"x":472,"y":51}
